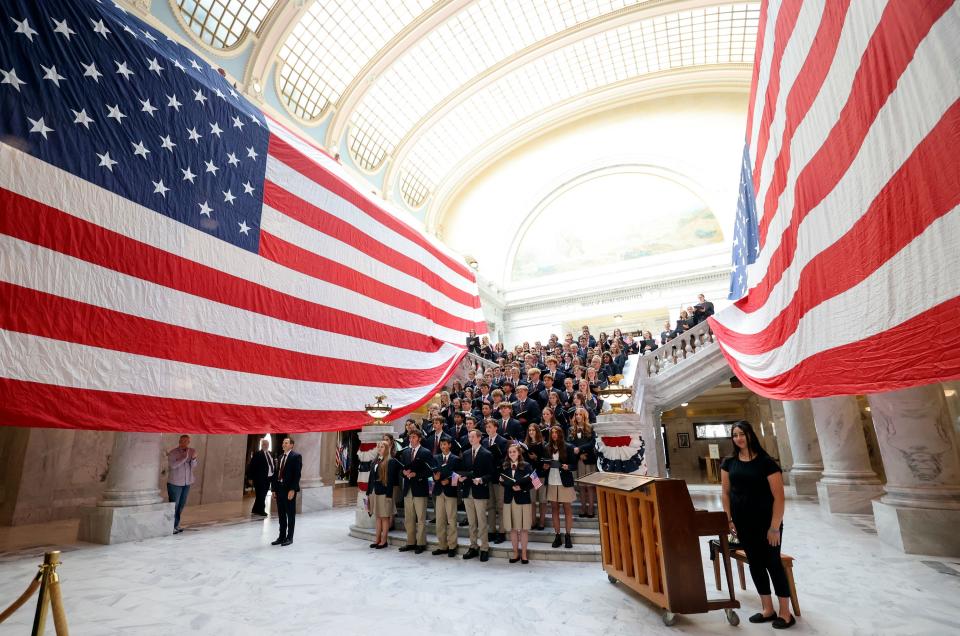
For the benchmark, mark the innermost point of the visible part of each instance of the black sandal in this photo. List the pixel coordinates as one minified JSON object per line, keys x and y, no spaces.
{"x":760,"y":618}
{"x":779,"y":623}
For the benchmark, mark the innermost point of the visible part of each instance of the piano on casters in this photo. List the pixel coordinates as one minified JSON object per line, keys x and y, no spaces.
{"x":650,"y":540}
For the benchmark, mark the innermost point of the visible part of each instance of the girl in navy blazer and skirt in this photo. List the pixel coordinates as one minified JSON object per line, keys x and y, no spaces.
{"x":560,"y":461}
{"x":517,"y":509}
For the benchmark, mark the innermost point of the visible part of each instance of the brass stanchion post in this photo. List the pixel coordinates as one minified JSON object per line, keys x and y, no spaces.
{"x":50,"y":594}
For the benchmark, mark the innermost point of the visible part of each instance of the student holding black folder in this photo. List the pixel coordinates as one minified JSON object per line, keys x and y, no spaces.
{"x":415,"y":464}
{"x":476,"y":465}
{"x":559,"y":463}
{"x":584,"y":442}
{"x":534,"y":456}
{"x":445,"y":498}
{"x":383,"y":476}
{"x":517,"y":513}
{"x":497,"y":445}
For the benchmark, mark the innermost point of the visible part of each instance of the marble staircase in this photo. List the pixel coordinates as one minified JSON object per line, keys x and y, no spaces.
{"x":585,"y":537}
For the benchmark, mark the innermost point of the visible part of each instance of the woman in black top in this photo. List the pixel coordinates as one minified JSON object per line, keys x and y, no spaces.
{"x":753,"y":500}
{"x":473,"y":343}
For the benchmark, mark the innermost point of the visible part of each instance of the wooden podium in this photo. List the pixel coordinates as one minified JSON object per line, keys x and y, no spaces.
{"x":649,"y":535}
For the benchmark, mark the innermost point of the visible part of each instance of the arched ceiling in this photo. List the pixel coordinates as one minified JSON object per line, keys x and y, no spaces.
{"x":415,"y":88}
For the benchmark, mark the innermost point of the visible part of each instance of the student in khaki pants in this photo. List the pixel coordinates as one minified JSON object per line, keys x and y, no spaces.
{"x":416,"y":463}
{"x":477,"y":463}
{"x":445,"y":498}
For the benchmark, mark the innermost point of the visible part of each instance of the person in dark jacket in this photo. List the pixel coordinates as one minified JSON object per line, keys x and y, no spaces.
{"x":380,"y":488}
{"x":416,"y":463}
{"x":445,"y":463}
{"x":559,"y":462}
{"x":260,"y":472}
{"x":534,"y":456}
{"x":476,"y":465}
{"x":584,"y":442}
{"x":517,"y":514}
{"x":287,"y":485}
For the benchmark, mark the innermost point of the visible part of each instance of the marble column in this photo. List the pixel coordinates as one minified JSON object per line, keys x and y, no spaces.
{"x":314,"y":494}
{"x":131,"y":506}
{"x":848,"y":483}
{"x":920,"y":510}
{"x":804,"y":446}
{"x":369,"y":435}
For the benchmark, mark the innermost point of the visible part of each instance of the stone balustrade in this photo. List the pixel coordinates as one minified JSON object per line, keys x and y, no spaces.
{"x":677,"y":351}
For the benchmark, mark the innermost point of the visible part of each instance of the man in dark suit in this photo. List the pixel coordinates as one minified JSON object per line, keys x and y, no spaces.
{"x":417,"y":463}
{"x":508,"y":426}
{"x":543,"y":397}
{"x":286,"y":486}
{"x":526,"y":411}
{"x":477,"y":464}
{"x":432,"y":441}
{"x":445,"y":498}
{"x":497,"y":445}
{"x":260,"y":472}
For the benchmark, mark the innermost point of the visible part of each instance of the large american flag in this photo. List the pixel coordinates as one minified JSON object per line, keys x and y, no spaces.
{"x":173,"y":260}
{"x":846,"y":247}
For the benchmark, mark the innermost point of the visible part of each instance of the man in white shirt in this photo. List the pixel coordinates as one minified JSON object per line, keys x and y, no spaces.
{"x":182,"y":461}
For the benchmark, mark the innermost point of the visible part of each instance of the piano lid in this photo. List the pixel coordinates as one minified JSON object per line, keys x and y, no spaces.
{"x":616,"y":481}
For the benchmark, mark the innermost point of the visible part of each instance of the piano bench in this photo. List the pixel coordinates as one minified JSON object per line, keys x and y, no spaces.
{"x":741,"y":557}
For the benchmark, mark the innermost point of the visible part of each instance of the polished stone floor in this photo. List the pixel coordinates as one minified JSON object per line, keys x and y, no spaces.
{"x":225,"y":578}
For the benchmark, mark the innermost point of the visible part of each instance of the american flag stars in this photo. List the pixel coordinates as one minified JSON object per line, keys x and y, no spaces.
{"x":90,"y":88}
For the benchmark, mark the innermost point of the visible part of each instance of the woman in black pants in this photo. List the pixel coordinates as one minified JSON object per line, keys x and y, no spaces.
{"x":753,"y":500}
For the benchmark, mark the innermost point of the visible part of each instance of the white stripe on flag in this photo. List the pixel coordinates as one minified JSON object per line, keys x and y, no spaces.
{"x":764,"y":61}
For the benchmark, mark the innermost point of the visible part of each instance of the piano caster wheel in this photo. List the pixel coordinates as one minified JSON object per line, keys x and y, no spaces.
{"x":611,"y":579}
{"x":669,"y":619}
{"x":732,"y":617}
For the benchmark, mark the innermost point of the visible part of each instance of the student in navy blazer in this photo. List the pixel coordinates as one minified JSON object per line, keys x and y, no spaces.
{"x":380,"y":489}
{"x":497,"y":445}
{"x":416,"y":463}
{"x":559,"y":460}
{"x":445,"y":463}
{"x":476,"y":463}
{"x":517,"y":509}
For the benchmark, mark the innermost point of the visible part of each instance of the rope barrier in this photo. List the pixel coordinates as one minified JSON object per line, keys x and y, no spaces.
{"x":48,"y":582}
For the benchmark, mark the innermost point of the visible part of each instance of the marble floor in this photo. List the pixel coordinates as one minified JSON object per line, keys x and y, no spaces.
{"x":226,"y":578}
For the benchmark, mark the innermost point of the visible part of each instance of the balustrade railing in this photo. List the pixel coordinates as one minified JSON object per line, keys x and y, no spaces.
{"x":678,"y":350}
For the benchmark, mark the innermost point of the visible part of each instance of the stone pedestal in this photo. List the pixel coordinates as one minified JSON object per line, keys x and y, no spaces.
{"x":848,"y":483}
{"x":919,"y":512}
{"x":131,"y":507}
{"x":804,"y":446}
{"x":631,"y":425}
{"x":368,"y":435}
{"x":315,"y":495}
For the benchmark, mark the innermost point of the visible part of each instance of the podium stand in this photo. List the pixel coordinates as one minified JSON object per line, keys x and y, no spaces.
{"x":649,"y":537}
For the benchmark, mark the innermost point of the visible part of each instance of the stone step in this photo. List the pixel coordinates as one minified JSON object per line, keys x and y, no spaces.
{"x":577,"y":521}
{"x":535,"y":551}
{"x":579,"y":535}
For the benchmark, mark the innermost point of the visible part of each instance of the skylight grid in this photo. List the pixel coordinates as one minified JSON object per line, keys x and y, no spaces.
{"x":221,"y":23}
{"x":331,"y":44}
{"x":706,"y":36}
{"x":478,"y":37}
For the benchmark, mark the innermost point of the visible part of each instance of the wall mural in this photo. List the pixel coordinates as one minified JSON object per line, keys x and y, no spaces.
{"x":610,"y":218}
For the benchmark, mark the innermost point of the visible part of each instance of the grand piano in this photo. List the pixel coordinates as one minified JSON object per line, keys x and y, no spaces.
{"x":650,"y":539}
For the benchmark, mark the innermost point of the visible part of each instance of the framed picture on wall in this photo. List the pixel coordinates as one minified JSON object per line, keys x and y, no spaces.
{"x":683,"y":440}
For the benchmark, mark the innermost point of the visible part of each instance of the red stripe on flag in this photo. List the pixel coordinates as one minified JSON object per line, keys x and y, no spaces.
{"x":804,"y":92}
{"x":317,"y":266}
{"x":46,"y":226}
{"x":292,"y":157}
{"x":277,"y":197}
{"x":872,"y":365}
{"x":757,"y":53}
{"x":879,"y":234}
{"x":41,"y":314}
{"x":782,"y":30}
{"x":901,"y":29}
